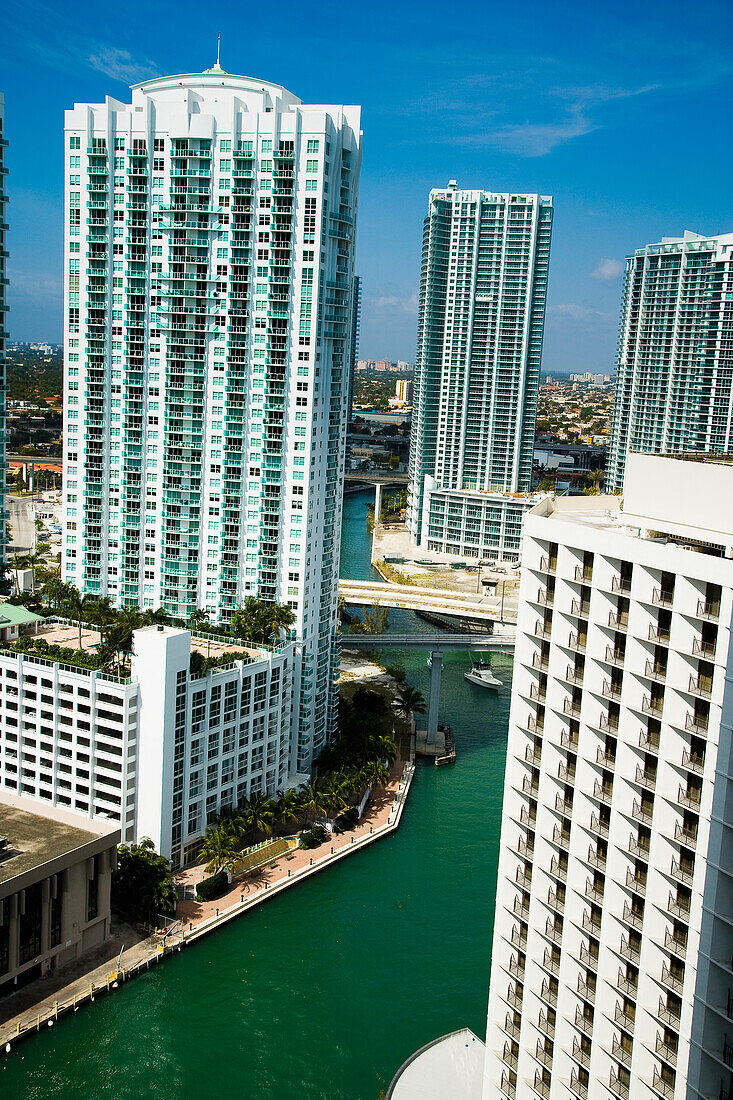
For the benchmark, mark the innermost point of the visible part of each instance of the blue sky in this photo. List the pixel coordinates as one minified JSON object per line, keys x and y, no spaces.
{"x":620,"y":111}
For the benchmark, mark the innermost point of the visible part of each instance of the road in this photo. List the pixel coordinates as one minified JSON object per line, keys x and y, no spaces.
{"x":502,"y":641}
{"x":439,"y":601}
{"x":21,"y":519}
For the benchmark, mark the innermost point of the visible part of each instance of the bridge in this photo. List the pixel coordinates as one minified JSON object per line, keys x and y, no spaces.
{"x":378,"y":479}
{"x":502,"y":640}
{"x":438,"y":600}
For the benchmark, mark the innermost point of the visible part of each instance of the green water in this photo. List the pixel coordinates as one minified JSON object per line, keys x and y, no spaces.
{"x":321,"y":993}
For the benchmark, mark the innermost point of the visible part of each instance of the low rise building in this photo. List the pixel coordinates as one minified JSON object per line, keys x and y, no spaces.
{"x":55,"y":878}
{"x":472,"y":523}
{"x":160,"y":751}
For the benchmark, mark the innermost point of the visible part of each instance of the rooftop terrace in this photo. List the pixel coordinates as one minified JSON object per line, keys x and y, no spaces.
{"x":35,"y":839}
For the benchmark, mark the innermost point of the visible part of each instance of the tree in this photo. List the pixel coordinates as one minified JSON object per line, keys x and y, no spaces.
{"x":221,"y":846}
{"x":35,"y":559}
{"x":374,"y":620}
{"x":76,"y":605}
{"x":258,"y":816}
{"x":410,"y":700}
{"x":260,"y":621}
{"x":18,"y":561}
{"x":311,"y":800}
{"x":142,"y":884}
{"x":287,"y":806}
{"x":198,"y":619}
{"x":100,"y":612}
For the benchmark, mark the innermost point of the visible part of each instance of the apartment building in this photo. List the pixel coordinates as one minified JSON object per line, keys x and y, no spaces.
{"x":611,"y":964}
{"x":479,"y":348}
{"x":475,"y":524}
{"x":159,"y":752}
{"x":209,"y":248}
{"x":674,"y":378}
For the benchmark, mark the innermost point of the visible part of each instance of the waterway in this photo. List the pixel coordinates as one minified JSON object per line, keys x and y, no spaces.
{"x":321,"y":993}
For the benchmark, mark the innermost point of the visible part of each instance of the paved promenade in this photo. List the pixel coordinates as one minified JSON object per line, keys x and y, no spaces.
{"x":26,"y":1012}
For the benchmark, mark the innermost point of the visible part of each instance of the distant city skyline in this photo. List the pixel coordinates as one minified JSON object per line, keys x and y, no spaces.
{"x":563,"y":109}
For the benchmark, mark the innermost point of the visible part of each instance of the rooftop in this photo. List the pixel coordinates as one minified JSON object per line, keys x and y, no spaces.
{"x":35,"y":839}
{"x":16,"y":615}
{"x":452,"y":1066}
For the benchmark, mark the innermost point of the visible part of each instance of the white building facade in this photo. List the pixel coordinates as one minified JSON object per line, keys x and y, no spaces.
{"x":613,"y":939}
{"x":674,"y":375}
{"x":473,"y":524}
{"x":479,"y":347}
{"x":209,"y":274}
{"x":161,"y":752}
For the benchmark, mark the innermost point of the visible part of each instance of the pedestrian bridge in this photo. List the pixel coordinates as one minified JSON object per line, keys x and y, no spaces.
{"x":439,"y":601}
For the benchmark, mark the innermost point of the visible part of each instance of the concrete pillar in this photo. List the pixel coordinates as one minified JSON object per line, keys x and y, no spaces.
{"x":377,"y":502}
{"x":436,"y":672}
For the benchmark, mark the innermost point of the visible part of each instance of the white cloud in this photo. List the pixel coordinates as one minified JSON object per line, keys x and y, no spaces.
{"x":576,"y":314}
{"x":121,"y":65}
{"x":405,"y":304}
{"x":607,"y":269}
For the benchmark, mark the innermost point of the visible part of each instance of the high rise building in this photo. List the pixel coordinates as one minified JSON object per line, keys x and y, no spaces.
{"x":209,"y":273}
{"x":355,"y":328}
{"x":3,"y":333}
{"x":611,"y":964}
{"x":479,"y":347}
{"x":674,"y":375}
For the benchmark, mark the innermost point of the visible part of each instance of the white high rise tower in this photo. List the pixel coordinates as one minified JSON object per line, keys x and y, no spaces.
{"x":477,"y":370}
{"x":209,"y":271}
{"x":674,"y":379}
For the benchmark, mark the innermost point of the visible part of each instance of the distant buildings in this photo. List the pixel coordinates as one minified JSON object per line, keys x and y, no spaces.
{"x":404,"y":391}
{"x":611,"y":964}
{"x":208,"y":353}
{"x":480,"y":325}
{"x":590,"y":378}
{"x":674,"y":380}
{"x":383,"y":366}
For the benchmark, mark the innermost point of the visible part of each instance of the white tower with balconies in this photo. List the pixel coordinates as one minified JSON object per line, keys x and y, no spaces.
{"x":209,"y":248}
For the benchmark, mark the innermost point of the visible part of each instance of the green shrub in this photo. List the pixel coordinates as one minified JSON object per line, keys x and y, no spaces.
{"x":347,"y":820}
{"x":312,"y":838}
{"x":214,"y":887}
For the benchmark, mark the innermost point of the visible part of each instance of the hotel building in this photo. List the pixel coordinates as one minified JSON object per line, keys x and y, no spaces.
{"x":674,"y":377}
{"x":479,"y":348}
{"x":611,"y":965}
{"x":209,"y":253}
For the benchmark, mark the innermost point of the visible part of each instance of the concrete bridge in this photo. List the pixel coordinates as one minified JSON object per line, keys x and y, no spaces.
{"x":438,"y":600}
{"x":377,"y":479}
{"x":502,"y":640}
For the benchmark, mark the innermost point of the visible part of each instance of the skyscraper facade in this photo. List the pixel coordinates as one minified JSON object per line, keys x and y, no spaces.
{"x":479,"y":347}
{"x":674,"y":376}
{"x":611,"y":964}
{"x":209,"y":272}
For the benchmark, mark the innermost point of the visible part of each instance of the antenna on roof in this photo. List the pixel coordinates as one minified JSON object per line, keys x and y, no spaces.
{"x":218,"y":50}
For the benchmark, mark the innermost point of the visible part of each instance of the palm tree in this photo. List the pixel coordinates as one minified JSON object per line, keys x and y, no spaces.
{"x":287,"y":806}
{"x":258,"y":817}
{"x":220,"y":847}
{"x":198,"y":619}
{"x":311,"y":800}
{"x":260,"y":620}
{"x":374,"y":620}
{"x":410,"y":700}
{"x":376,"y":773}
{"x":76,"y":605}
{"x":35,"y":559}
{"x":101,"y":612}
{"x":18,"y":561}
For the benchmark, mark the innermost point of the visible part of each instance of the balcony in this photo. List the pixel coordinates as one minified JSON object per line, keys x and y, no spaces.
{"x":519,"y":937}
{"x":548,"y":564}
{"x":569,"y":739}
{"x":574,"y":675}
{"x":652,"y":704}
{"x":610,"y":726}
{"x":667,"y":1016}
{"x":584,"y":1022}
{"x":637,"y":849}
{"x":629,"y":952}
{"x":521,"y":908}
{"x":655,"y":670}
{"x":633,"y":916}
{"x":671,"y":980}
{"x":507,"y":1087}
{"x":607,"y":759}
{"x":564,"y":804}
{"x":557,"y":870}
{"x":553,"y":931}
{"x":615,"y":656}
{"x":541,"y":1086}
{"x":542,"y":629}
{"x":688,"y":837}
{"x":551,"y":963}
{"x":663,"y":597}
{"x":577,"y":1086}
{"x":693,"y":762}
{"x":566,"y":774}
{"x":577,"y":641}
{"x":511,"y":1027}
{"x":623,"y":1018}
{"x":545,"y":597}
{"x":702,"y":686}
{"x":596,"y":858}
{"x":543,"y":1055}
{"x":636,"y":882}
{"x":546,"y":1025}
{"x":661,"y":1086}
{"x":571,"y":707}
{"x":581,"y":1056}
{"x":603,"y":792}
{"x":587,"y":958}
{"x":540,"y":661}
{"x":648,"y":741}
{"x":659,"y":634}
{"x":676,"y":943}
{"x":666,"y":1050}
{"x":697,"y":723}
{"x":611,"y":689}
{"x":709,"y":610}
{"x":586,"y":990}
{"x":626,"y":986}
{"x":580,"y":608}
{"x":618,"y":620}
{"x":591,"y":923}
{"x":598,"y":826}
{"x":702,"y":648}
{"x":689,"y":798}
{"x":523,"y":879}
{"x":555,"y":901}
{"x":561,"y":836}
{"x":621,"y":584}
{"x":645,"y":778}
{"x":641,"y":811}
{"x":618,"y":1087}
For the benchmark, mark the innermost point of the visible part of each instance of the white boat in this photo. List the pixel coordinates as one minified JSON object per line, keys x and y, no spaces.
{"x":482,"y":675}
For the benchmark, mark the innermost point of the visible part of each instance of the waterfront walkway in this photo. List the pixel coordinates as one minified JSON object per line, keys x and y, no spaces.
{"x":35,"y":1009}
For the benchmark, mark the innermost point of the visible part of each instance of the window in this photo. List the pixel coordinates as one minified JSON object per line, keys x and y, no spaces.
{"x":225,"y":146}
{"x":312,"y":145}
{"x":311,"y":166}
